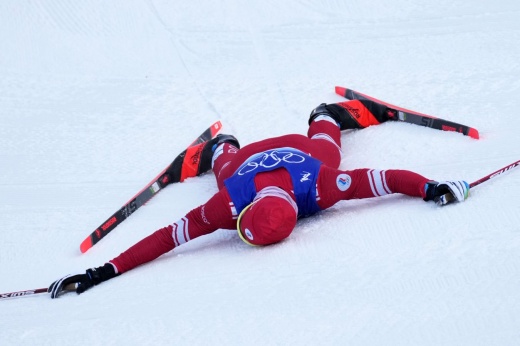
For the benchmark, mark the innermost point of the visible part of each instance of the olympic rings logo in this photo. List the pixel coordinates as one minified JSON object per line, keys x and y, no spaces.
{"x":271,"y":159}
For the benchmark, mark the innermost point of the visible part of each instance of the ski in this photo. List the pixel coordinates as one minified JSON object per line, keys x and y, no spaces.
{"x":412,"y":117}
{"x":187,"y":164}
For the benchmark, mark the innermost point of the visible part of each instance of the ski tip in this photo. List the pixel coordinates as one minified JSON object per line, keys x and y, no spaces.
{"x":85,"y":245}
{"x":473,"y":133}
{"x":341,"y":91}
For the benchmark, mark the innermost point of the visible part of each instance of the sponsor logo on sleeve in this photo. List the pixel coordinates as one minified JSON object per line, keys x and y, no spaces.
{"x":343,"y":181}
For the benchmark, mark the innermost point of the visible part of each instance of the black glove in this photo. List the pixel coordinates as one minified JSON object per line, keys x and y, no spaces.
{"x":82,"y":282}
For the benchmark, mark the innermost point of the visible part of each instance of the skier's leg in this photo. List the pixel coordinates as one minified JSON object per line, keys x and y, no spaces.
{"x":221,"y":150}
{"x":325,"y":136}
{"x":224,"y":155}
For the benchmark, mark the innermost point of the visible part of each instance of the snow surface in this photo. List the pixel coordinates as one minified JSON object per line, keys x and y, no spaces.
{"x":97,"y":97}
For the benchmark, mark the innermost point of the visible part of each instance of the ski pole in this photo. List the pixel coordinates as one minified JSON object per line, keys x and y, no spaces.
{"x":70,"y":287}
{"x":495,"y":174}
{"x":23,"y":293}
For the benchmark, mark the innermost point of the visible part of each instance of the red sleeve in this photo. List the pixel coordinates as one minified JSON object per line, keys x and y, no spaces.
{"x":214,"y":214}
{"x":335,"y":185}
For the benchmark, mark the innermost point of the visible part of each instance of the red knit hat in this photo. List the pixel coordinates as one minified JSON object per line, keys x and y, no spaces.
{"x":267,"y":220}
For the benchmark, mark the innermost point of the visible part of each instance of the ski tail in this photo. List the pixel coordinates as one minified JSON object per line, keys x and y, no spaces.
{"x":187,"y":164}
{"x":412,"y":117}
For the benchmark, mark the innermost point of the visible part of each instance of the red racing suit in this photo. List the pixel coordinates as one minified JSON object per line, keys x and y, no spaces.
{"x":333,"y":185}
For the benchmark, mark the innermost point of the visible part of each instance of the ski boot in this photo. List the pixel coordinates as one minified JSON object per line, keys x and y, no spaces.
{"x":355,"y":114}
{"x":210,"y":147}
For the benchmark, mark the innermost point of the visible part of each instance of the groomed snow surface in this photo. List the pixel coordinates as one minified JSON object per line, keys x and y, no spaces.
{"x":97,"y":97}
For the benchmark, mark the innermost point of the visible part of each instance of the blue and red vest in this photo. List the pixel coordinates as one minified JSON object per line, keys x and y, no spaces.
{"x":302,"y":168}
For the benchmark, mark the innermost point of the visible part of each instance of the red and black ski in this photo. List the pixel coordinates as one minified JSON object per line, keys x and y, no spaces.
{"x":187,"y":164}
{"x":412,"y":117}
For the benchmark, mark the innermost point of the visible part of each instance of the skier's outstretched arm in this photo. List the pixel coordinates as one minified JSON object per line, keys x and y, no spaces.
{"x":335,"y":185}
{"x":214,"y":214}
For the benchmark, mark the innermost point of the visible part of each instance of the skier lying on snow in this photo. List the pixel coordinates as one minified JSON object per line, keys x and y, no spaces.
{"x":266,"y":186}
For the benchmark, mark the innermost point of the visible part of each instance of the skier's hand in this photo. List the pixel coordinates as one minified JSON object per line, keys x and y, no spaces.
{"x":82,"y":282}
{"x":446,"y":192}
{"x":79,"y":283}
